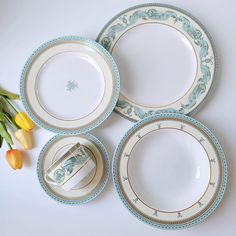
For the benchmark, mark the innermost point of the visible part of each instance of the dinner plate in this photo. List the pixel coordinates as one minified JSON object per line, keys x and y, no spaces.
{"x":92,"y":185}
{"x":69,"y":85}
{"x":170,"y":171}
{"x":165,"y":57}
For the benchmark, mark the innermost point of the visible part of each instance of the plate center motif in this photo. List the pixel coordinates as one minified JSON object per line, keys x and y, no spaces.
{"x":77,"y":84}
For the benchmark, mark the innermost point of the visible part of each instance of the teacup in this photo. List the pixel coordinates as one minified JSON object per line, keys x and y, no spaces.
{"x":71,"y":168}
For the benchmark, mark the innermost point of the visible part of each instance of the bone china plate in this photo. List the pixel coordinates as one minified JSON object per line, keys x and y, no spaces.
{"x":70,"y":85}
{"x":170,"y":171}
{"x":91,"y":185}
{"x":165,"y":58}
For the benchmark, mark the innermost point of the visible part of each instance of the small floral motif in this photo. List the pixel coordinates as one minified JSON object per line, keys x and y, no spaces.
{"x":179,"y":215}
{"x":155,"y":213}
{"x":135,"y":200}
{"x":200,"y":204}
{"x":127,"y":155}
{"x":106,"y":42}
{"x":151,"y":12}
{"x":59,"y":175}
{"x":125,"y":178}
{"x":71,"y":85}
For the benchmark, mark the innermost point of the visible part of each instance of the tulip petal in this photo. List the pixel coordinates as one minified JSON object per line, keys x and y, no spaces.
{"x":14,"y":158}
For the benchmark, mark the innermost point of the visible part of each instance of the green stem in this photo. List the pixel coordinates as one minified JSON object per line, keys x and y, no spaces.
{"x":11,"y":122}
{"x":9,"y":145}
{"x":8,"y":94}
{"x":9,"y":103}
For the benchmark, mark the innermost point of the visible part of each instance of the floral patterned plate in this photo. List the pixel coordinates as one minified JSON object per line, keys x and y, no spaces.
{"x":170,"y":171}
{"x":165,"y":57}
{"x":92,"y":185}
{"x":70,"y":85}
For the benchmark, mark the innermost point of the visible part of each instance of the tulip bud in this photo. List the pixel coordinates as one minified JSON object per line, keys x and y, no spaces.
{"x":25,"y":138}
{"x":24,"y":121}
{"x":14,"y":158}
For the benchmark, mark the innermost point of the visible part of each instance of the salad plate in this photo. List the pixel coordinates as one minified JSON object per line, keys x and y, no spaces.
{"x":170,"y":171}
{"x":90,"y":186}
{"x":166,"y":60}
{"x":69,"y":85}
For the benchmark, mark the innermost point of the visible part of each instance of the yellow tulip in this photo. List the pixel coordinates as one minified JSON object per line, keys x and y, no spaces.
{"x":25,"y":138}
{"x":24,"y":121}
{"x":14,"y":158}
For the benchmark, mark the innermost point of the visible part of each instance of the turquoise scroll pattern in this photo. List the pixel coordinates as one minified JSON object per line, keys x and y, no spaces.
{"x":68,"y":166}
{"x":198,"y":38}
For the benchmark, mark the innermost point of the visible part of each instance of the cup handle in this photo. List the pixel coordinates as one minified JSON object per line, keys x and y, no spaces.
{"x":48,"y":180}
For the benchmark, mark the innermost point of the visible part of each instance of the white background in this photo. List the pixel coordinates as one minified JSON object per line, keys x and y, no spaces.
{"x":25,"y":209}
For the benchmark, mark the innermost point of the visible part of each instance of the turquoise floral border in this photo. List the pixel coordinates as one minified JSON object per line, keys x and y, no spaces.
{"x":129,"y":110}
{"x":109,"y":109}
{"x":93,"y":194}
{"x":218,"y":147}
{"x":68,"y":166}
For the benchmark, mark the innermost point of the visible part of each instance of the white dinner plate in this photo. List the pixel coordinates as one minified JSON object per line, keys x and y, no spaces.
{"x":165,"y":58}
{"x":92,"y":185}
{"x":170,"y":171}
{"x":70,"y":85}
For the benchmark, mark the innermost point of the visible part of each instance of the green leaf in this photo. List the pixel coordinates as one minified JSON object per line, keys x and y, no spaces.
{"x":1,"y":141}
{"x":1,"y":113}
{"x":9,"y":95}
{"x":7,"y":114}
{"x":1,"y":116}
{"x":8,"y":117}
{"x":6,"y":104}
{"x":4,"y":133}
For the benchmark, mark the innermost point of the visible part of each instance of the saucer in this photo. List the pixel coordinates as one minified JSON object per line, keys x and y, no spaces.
{"x":69,"y":85}
{"x":170,"y":171}
{"x":92,"y":185}
{"x":165,"y":57}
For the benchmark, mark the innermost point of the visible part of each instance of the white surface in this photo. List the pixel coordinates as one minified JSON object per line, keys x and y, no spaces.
{"x":169,"y":170}
{"x":151,"y":57}
{"x":25,"y":209}
{"x":78,"y":69}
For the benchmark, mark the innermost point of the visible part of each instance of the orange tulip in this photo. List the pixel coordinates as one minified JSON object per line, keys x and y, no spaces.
{"x":14,"y":158}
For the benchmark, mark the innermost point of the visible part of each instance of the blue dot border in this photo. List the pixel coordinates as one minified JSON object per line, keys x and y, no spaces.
{"x":218,"y":148}
{"x":91,"y":196}
{"x":106,"y":113}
